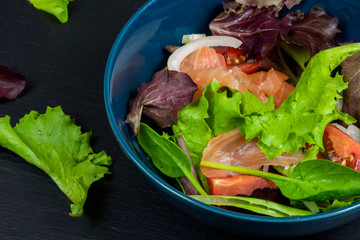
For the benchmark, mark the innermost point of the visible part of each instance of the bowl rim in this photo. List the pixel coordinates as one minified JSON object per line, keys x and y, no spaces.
{"x":160,"y":183}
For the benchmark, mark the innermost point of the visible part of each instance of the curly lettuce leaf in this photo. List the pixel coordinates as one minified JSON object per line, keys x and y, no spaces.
{"x":304,"y":115}
{"x":217,"y":111}
{"x":193,"y":127}
{"x":58,"y":8}
{"x":53,"y":143}
{"x":11,"y":84}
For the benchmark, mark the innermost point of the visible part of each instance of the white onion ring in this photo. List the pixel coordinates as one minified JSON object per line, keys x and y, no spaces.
{"x":192,"y":37}
{"x":178,"y":56}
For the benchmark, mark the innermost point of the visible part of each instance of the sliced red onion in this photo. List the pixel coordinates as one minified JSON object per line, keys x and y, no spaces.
{"x":178,"y":56}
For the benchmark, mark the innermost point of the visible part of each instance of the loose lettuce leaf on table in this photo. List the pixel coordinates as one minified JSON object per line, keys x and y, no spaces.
{"x":53,"y":143}
{"x":161,"y":99}
{"x":58,"y":8}
{"x":11,"y":84}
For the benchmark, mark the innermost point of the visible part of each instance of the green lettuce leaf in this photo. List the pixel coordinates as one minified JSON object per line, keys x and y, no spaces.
{"x":191,"y":124}
{"x":222,"y":119}
{"x":304,"y":115}
{"x":256,"y":205}
{"x":53,"y":143}
{"x":218,"y":111}
{"x":312,"y":180}
{"x":58,"y":8}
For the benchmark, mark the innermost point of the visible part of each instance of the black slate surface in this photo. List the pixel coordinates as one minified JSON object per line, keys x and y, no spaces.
{"x":64,"y":65}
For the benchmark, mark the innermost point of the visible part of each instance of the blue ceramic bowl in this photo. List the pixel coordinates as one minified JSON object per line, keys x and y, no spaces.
{"x":138,"y":52}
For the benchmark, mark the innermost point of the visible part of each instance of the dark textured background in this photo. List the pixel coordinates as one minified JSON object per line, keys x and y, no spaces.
{"x":64,"y":65}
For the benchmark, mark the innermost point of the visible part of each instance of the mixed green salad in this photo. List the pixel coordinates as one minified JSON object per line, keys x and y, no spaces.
{"x":266,"y":106}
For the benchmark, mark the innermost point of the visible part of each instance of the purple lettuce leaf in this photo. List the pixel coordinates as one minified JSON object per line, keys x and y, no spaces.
{"x":238,"y":4}
{"x":316,"y":31}
{"x":11,"y":84}
{"x":351,"y":95}
{"x":254,"y":27}
{"x":161,"y":99}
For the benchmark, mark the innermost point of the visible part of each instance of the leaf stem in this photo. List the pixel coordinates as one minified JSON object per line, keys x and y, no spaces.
{"x":243,"y":170}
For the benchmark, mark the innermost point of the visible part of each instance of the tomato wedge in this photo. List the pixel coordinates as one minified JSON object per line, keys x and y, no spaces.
{"x":238,"y":185}
{"x":341,"y":148}
{"x":249,"y":67}
{"x":233,"y":56}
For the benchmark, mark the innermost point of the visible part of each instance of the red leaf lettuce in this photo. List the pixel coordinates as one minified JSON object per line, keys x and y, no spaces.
{"x":11,"y":84}
{"x":161,"y":98}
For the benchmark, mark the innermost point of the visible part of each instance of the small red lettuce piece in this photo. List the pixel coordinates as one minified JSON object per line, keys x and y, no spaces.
{"x":351,"y":95}
{"x":254,"y":27}
{"x":161,"y":98}
{"x":11,"y":84}
{"x":316,"y":31}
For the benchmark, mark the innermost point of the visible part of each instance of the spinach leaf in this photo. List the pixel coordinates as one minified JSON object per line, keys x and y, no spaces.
{"x":261,"y":206}
{"x":167,"y":156}
{"x":311,"y":180}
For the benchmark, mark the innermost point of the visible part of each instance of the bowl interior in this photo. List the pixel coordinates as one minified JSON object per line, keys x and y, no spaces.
{"x":138,"y":52}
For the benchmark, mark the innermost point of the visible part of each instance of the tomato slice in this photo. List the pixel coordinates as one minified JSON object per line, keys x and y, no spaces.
{"x":249,"y":67}
{"x":233,"y":56}
{"x":341,"y":148}
{"x":238,"y":185}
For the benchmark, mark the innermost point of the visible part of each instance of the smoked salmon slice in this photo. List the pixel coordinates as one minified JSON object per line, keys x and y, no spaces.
{"x":231,"y":148}
{"x":205,"y":64}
